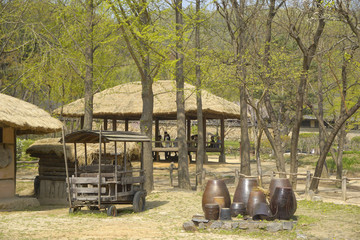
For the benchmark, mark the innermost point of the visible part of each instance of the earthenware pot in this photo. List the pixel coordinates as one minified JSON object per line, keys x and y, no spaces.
{"x":237,"y":208}
{"x":220,"y":200}
{"x":243,"y":190}
{"x":283,"y":203}
{"x":225,"y":214}
{"x":278,"y":182}
{"x":261,"y":211}
{"x":256,"y":196}
{"x":211,"y":211}
{"x":216,"y":188}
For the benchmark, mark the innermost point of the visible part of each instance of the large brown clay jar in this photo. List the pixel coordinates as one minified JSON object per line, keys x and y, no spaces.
{"x":216,"y":188}
{"x":278,"y":182}
{"x":243,"y":190}
{"x":283,"y":203}
{"x":256,"y":196}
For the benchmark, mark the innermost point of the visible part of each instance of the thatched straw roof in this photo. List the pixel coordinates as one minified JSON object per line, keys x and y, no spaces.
{"x":26,"y":117}
{"x":52,"y":146}
{"x":124,"y":102}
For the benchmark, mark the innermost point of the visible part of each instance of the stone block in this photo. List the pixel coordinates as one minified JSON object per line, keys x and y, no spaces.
{"x":288,"y":225}
{"x":216,"y":225}
{"x":234,"y":225}
{"x":226,"y":225}
{"x":202,"y":226}
{"x":189,"y":226}
{"x":274,"y":226}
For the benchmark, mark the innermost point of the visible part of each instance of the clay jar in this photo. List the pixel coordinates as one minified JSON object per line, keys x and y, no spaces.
{"x":243,"y":190}
{"x":216,"y":188}
{"x":237,"y":208}
{"x":256,"y":196}
{"x":220,"y":201}
{"x":211,"y":211}
{"x":278,"y":182}
{"x":283,"y":203}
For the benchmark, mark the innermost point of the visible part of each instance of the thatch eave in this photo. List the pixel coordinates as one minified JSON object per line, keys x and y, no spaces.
{"x":25,"y":117}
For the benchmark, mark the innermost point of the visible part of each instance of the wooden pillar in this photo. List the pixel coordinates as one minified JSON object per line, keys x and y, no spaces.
{"x":157,"y":132}
{"x":222,"y":134}
{"x":126,"y":124}
{"x":205,"y":139}
{"x":188,"y":124}
{"x":105,"y":124}
{"x":82,"y":122}
{"x":114,"y":125}
{"x":188,"y":136}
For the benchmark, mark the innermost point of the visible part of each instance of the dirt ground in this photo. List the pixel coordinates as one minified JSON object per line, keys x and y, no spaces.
{"x":167,"y":208}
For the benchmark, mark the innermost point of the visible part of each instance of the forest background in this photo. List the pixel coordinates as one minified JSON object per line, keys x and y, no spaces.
{"x":282,"y":59}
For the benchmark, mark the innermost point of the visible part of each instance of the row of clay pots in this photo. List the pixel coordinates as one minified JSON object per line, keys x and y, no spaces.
{"x":252,"y":201}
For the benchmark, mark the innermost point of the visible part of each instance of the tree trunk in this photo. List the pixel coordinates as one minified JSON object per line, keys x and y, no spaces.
{"x":183,"y":168}
{"x":200,"y":152}
{"x":89,"y":58}
{"x":330,"y":139}
{"x":146,"y":128}
{"x":245,"y":143}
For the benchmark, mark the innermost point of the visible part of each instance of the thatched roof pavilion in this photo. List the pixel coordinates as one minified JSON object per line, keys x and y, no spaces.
{"x":124,"y":102}
{"x":25,"y":117}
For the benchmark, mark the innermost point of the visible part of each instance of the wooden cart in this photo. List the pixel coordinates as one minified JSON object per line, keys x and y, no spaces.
{"x":102,"y":185}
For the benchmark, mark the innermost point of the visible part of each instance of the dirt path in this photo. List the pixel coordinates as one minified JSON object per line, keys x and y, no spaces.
{"x":168,"y":208}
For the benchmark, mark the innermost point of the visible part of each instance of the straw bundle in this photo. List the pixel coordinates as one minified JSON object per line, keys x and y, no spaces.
{"x":26,"y":117}
{"x":124,"y":101}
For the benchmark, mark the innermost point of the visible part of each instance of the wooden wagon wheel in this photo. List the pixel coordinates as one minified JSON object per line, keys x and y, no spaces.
{"x":139,"y":201}
{"x":112,"y":211}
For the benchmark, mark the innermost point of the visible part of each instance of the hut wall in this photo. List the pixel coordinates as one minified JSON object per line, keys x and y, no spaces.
{"x":7,"y":166}
{"x":52,"y":175}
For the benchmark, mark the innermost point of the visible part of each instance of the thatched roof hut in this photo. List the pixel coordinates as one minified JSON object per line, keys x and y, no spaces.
{"x":124,"y":102}
{"x":25,"y":117}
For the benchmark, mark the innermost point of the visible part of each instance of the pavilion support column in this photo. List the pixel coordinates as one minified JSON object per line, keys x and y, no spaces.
{"x":188,"y":136}
{"x":126,"y":124}
{"x":222,"y":144}
{"x":105,"y":124}
{"x":82,"y":122}
{"x":205,"y":139}
{"x":114,"y":125}
{"x":157,"y":133}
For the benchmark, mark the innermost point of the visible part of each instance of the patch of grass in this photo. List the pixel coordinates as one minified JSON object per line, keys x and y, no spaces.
{"x":351,"y":164}
{"x":87,"y":214}
{"x":329,"y":207}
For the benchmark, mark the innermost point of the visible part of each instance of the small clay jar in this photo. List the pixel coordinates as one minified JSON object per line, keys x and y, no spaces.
{"x":237,"y":208}
{"x":256,"y":196}
{"x":225,"y":214}
{"x":211,"y":211}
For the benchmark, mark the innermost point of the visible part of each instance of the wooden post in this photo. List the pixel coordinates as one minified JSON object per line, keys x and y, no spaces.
{"x":157,"y":132}
{"x":343,"y":188}
{"x":99,"y":185}
{"x":114,"y":125}
{"x":105,"y":124}
{"x":76,"y":161}
{"x":222,"y":144}
{"x":308,"y":178}
{"x":237,"y":177}
{"x":171,"y":168}
{"x":126,"y":125}
{"x":66,"y":166}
